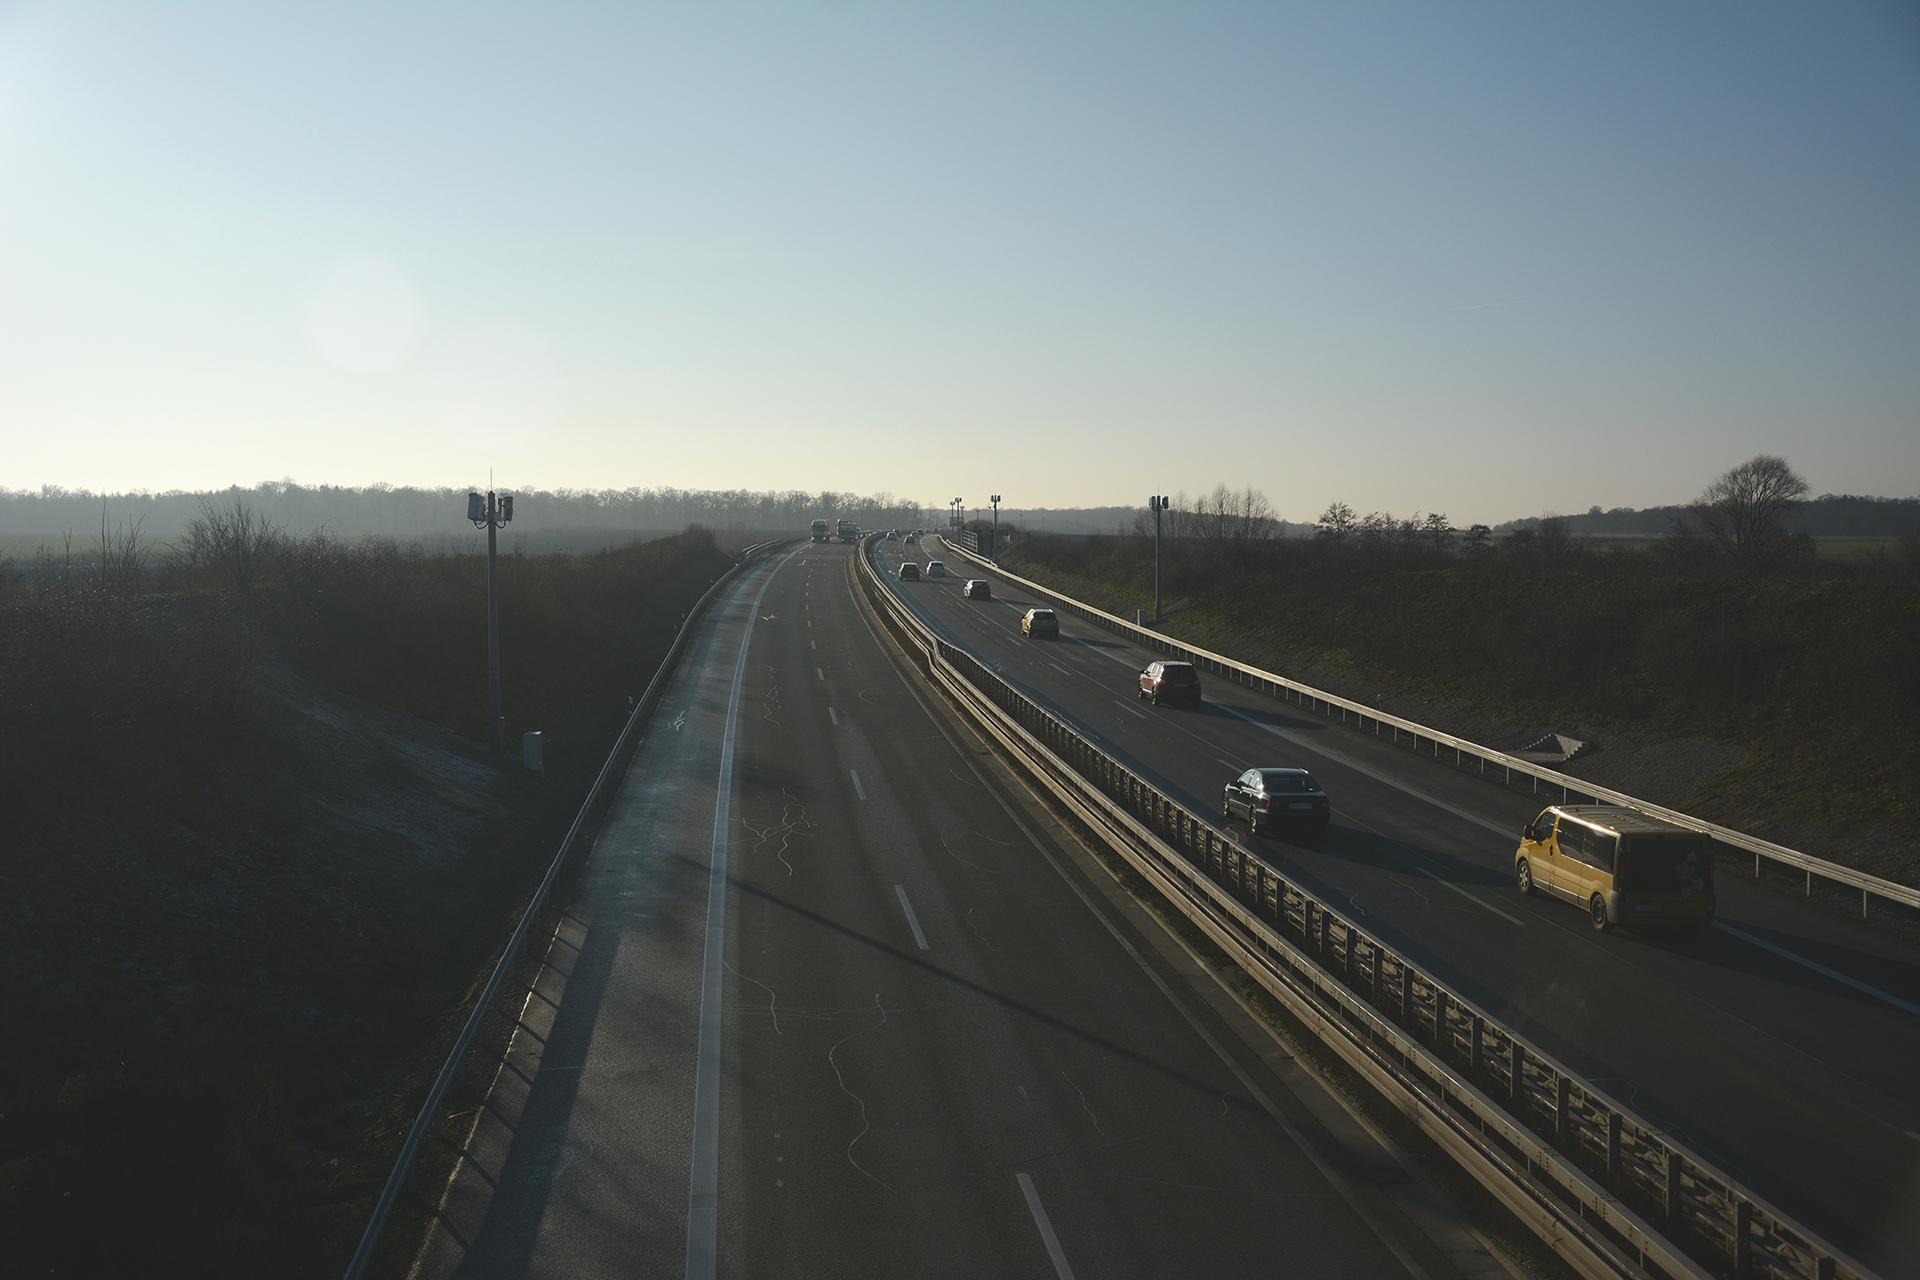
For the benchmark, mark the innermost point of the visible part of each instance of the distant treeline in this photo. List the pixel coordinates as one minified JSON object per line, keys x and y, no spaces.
{"x":1830,"y":515}
{"x":406,"y":512}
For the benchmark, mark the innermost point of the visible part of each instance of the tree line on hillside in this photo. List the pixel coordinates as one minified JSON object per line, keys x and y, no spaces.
{"x":1751,"y":519}
{"x":409,"y":512}
{"x":1831,"y":515}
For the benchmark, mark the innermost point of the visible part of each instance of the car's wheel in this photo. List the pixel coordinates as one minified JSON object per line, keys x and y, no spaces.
{"x":1525,"y":877}
{"x":1597,"y":913}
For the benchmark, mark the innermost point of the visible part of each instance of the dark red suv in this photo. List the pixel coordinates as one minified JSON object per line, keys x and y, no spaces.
{"x":1170,"y":682}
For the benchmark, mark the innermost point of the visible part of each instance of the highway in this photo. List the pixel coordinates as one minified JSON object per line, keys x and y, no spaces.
{"x":1784,"y":1045}
{"x":826,"y":1003}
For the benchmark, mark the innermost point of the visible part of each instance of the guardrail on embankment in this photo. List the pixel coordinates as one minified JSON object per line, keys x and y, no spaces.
{"x":1419,"y":736}
{"x":402,"y":1174}
{"x":1599,"y":1184}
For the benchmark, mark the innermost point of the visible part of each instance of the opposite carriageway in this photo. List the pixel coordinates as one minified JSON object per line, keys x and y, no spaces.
{"x":1792,"y":1079}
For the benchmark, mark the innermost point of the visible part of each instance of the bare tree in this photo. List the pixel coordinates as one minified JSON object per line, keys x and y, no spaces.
{"x":1335,"y":523}
{"x":1437,"y":528}
{"x":1744,"y":510}
{"x":1376,"y":527}
{"x":1479,"y":539}
{"x":1555,"y":540}
{"x":1253,"y":513}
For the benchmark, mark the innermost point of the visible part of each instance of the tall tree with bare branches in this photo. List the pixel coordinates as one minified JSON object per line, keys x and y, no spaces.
{"x":1744,"y":510}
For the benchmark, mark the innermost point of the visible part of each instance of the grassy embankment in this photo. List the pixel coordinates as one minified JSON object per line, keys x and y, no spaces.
{"x":258,"y":859}
{"x":1810,"y":681}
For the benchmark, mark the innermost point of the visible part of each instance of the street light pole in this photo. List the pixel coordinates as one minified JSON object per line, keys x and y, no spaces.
{"x":1159,"y":503}
{"x":995,"y":500}
{"x":491,"y":511}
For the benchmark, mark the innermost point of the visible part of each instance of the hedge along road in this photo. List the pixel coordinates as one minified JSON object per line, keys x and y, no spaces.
{"x":1795,"y":1082}
{"x":824,"y":1006}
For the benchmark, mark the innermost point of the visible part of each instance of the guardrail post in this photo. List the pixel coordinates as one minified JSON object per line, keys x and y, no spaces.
{"x":1742,"y":1237}
{"x":1614,"y":1127}
{"x":1671,"y":1198}
{"x":1516,"y":1073}
{"x":1440,"y":1021}
{"x":1562,"y":1101}
{"x":1474,"y":1049}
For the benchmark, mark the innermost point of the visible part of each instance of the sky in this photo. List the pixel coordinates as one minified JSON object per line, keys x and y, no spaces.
{"x":1490,"y":259}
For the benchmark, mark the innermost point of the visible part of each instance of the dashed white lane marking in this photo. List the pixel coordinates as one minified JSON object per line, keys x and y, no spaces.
{"x":813,"y":644}
{"x":1469,"y":897}
{"x":1885,"y":997}
{"x":833,"y":716}
{"x":1427,"y":797}
{"x":913,"y":921}
{"x":1040,"y":1220}
{"x":1334,"y":1177}
{"x":857,"y":788}
{"x":1135,"y":710}
{"x":1223,"y":760}
{"x":818,"y":674}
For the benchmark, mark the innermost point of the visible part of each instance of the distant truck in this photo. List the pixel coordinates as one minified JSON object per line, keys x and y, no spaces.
{"x":849,"y":531}
{"x":819,"y":530}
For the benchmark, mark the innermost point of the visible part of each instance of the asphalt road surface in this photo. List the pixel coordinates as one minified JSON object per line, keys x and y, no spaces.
{"x":825,"y":1005}
{"x":1784,"y":1045}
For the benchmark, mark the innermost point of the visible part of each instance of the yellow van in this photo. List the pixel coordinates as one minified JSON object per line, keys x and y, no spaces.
{"x":1618,"y":865}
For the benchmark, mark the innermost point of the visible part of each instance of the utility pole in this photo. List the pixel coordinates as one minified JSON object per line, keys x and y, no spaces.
{"x":1159,"y":503}
{"x":490,"y":512}
{"x":995,"y":500}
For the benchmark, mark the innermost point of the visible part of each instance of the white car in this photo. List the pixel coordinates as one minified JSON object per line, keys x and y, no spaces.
{"x":935,"y":569}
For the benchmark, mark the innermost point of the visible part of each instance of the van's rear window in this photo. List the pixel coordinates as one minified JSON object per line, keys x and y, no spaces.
{"x":1655,"y":865}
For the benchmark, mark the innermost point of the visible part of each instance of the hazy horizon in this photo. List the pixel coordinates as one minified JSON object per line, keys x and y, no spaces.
{"x":1489,"y":260}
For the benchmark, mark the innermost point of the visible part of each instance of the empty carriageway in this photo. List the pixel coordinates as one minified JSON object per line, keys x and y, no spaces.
{"x":831,"y":1007}
{"x":1783,"y":1047}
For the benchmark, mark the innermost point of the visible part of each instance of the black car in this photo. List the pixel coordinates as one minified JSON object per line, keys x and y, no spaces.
{"x":1270,"y":798}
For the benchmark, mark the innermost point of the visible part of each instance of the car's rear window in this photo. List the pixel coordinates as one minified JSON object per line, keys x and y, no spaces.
{"x":1289,"y":783}
{"x":1179,"y":673}
{"x":1043,"y":615}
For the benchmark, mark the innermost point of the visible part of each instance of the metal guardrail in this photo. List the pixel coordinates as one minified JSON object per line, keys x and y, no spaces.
{"x":1590,"y":1176}
{"x":1869,"y":886}
{"x":404,"y":1164}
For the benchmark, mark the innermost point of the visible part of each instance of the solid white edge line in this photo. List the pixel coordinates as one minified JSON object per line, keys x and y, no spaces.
{"x":857,"y":788}
{"x":913,"y":921}
{"x":1885,"y":997}
{"x":1040,"y":1220}
{"x":703,"y":1181}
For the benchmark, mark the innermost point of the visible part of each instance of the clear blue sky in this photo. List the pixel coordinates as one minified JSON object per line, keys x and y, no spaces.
{"x":1492,"y":259}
